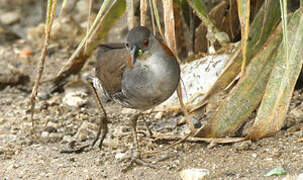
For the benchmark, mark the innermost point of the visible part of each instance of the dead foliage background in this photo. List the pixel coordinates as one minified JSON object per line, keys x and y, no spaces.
{"x":269,"y":46}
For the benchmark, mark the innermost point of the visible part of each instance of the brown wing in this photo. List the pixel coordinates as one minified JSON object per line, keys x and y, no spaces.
{"x":110,"y":65}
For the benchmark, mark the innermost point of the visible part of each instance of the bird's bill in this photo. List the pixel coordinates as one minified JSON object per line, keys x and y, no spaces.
{"x":134,"y":52}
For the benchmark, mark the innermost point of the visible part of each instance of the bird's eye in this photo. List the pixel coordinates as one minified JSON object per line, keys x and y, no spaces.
{"x":127,"y":45}
{"x":140,"y":52}
{"x":146,"y":42}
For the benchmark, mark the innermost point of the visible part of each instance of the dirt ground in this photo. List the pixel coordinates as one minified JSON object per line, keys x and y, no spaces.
{"x":25,"y":157}
{"x":27,"y":153}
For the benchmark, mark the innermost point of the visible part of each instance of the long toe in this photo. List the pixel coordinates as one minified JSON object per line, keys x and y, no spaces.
{"x":137,"y":160}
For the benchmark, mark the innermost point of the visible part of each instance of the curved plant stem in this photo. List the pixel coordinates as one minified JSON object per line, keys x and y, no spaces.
{"x":51,"y":9}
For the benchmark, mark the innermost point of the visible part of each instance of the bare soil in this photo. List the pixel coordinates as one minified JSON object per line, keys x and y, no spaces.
{"x":27,"y":153}
{"x":24,"y":156}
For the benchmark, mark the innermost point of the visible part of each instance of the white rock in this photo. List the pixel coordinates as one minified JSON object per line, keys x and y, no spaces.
{"x":9,"y":17}
{"x":2,"y":121}
{"x":82,"y":6}
{"x":120,"y":155}
{"x":197,"y":77}
{"x":75,"y":98}
{"x":194,"y":174}
{"x":55,"y":137}
{"x":128,"y":111}
{"x":52,"y":124}
{"x":293,"y":177}
{"x":67,"y":139}
{"x":83,"y":131}
{"x":12,"y":166}
{"x":300,"y":177}
{"x":27,"y":125}
{"x":159,"y":115}
{"x":44,"y":134}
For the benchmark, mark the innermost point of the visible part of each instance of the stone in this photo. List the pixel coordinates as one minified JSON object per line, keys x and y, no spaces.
{"x":75,"y":94}
{"x":82,"y":6}
{"x":54,"y":137}
{"x":120,"y":155}
{"x":67,"y":139}
{"x":194,"y":174}
{"x":84,"y":131}
{"x":10,"y":17}
{"x":242,"y":146}
{"x":44,"y":134}
{"x":300,"y":177}
{"x":51,"y":127}
{"x":197,"y":77}
{"x":159,"y":115}
{"x":128,"y":111}
{"x":74,"y":98}
{"x":56,"y":100}
{"x":254,"y":155}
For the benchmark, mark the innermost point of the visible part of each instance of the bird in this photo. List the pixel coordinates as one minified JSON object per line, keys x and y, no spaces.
{"x":139,"y":74}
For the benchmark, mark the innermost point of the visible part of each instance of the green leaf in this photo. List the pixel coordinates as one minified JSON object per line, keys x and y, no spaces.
{"x":110,"y":19}
{"x":247,"y":94}
{"x":276,"y":172}
{"x":272,"y":112}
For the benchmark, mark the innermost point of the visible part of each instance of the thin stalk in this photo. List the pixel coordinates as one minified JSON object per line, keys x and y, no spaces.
{"x":143,"y":11}
{"x":157,"y":17}
{"x":51,"y":9}
{"x":88,"y":20}
{"x":130,"y":14}
{"x":152,"y":17}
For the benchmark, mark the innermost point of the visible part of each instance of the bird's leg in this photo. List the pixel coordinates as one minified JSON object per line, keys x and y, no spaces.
{"x":135,"y":157}
{"x":133,"y":124}
{"x":150,"y":133}
{"x":103,"y":128}
{"x":102,"y":131}
{"x":188,"y":121}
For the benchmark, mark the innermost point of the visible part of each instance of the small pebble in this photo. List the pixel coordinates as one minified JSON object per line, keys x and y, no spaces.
{"x":159,"y":115}
{"x":120,"y":155}
{"x":84,"y":131}
{"x":67,"y":139}
{"x":55,"y":137}
{"x":50,"y":129}
{"x":194,"y":174}
{"x":75,"y":98}
{"x":9,"y":17}
{"x":44,"y":134}
{"x":242,"y":146}
{"x":128,"y":111}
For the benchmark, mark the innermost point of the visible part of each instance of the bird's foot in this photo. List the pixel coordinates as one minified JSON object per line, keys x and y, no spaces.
{"x":136,"y":159}
{"x":102,"y":131}
{"x":178,"y":139}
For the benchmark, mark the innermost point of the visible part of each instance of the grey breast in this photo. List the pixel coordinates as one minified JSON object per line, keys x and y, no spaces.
{"x":147,"y":85}
{"x":151,"y":82}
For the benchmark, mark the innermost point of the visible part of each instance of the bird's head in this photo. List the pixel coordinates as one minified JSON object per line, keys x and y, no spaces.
{"x":139,"y":41}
